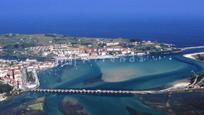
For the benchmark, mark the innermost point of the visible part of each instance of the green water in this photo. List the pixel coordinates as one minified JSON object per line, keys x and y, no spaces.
{"x":146,"y":74}
{"x":142,"y":74}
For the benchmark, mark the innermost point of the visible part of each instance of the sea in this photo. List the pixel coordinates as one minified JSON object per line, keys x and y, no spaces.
{"x":179,"y":31}
{"x":151,"y":72}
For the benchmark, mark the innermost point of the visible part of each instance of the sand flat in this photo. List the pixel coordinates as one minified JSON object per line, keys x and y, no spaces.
{"x":123,"y":72}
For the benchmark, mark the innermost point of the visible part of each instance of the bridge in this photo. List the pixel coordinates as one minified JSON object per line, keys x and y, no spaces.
{"x":116,"y":92}
{"x":92,"y":91}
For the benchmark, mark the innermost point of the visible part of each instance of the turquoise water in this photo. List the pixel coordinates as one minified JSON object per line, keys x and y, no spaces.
{"x":139,"y":73}
{"x":148,"y":74}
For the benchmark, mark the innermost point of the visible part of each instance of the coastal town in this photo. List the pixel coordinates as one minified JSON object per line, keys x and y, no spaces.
{"x":108,"y":49}
{"x":21,"y":73}
{"x":58,"y":46}
{"x":33,"y":53}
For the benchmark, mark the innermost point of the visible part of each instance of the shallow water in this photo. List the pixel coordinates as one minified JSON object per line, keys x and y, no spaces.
{"x":148,"y":74}
{"x":144,"y":73}
{"x":122,"y":71}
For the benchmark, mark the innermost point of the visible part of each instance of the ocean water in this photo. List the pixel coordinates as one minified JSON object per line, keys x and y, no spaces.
{"x":150,"y":73}
{"x":182,"y":32}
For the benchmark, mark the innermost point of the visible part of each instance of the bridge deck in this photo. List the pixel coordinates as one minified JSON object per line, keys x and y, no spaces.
{"x":88,"y":91}
{"x":109,"y":92}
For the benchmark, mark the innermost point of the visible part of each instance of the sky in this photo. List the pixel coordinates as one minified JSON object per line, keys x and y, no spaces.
{"x":102,"y":9}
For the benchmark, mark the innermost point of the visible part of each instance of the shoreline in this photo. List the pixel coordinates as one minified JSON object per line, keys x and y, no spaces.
{"x":191,"y":55}
{"x":180,"y":83}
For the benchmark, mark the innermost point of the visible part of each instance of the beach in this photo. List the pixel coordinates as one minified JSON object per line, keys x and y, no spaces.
{"x":191,"y":55}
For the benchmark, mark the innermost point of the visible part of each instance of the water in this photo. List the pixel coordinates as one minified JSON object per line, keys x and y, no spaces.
{"x":182,"y":32}
{"x":100,"y":105}
{"x":151,"y":73}
{"x":141,"y":75}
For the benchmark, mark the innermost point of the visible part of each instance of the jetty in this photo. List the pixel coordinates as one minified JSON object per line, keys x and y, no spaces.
{"x":190,"y":48}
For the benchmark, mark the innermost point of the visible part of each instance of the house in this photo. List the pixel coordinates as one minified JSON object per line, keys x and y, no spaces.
{"x":112,"y":43}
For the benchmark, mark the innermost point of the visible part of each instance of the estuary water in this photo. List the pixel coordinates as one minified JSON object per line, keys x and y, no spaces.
{"x":141,"y":74}
{"x":138,"y":73}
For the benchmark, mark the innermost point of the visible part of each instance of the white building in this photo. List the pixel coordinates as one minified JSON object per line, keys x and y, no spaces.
{"x":112,"y":43}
